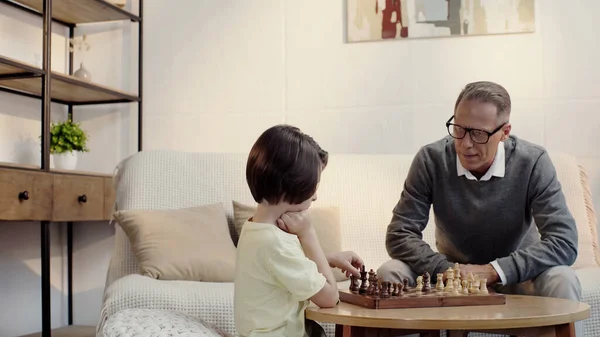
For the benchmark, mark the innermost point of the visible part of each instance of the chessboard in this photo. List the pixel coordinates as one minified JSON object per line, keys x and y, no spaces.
{"x":375,"y":293}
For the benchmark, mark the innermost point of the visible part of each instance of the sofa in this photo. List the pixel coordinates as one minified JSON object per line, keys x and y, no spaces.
{"x":364,"y":188}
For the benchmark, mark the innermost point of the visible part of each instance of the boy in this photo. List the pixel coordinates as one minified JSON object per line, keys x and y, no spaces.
{"x":280,"y":264}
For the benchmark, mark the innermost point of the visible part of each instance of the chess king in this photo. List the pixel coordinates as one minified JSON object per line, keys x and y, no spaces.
{"x":499,"y":208}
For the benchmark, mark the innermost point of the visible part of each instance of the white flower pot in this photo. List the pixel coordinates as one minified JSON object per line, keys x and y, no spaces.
{"x":65,"y":161}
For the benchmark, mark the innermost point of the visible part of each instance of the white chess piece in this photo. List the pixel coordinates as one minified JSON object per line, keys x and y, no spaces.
{"x":483,"y":286}
{"x":456,"y":289}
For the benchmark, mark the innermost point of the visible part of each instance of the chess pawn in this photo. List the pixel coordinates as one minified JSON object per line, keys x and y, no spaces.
{"x":400,"y":286}
{"x":353,"y":284}
{"x":439,"y":286}
{"x":426,"y":282}
{"x":474,"y":289}
{"x":449,"y":285}
{"x":372,"y":281}
{"x":385,"y":290}
{"x":376,"y":289}
{"x":465,"y":287}
{"x":419,"y":283}
{"x":395,"y":289}
{"x":483,"y":286}
{"x":456,"y":289}
{"x":405,"y":284}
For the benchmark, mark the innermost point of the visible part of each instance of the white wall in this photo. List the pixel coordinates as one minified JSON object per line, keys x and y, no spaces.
{"x":230,"y":69}
{"x":234,"y":68}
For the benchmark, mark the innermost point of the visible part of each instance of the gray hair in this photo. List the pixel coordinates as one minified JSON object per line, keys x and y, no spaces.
{"x":487,"y":92}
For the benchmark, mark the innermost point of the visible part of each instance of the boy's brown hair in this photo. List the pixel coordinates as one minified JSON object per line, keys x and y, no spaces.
{"x":284,"y":165}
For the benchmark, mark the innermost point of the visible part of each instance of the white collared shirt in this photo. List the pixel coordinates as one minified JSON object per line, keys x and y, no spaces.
{"x":497,"y":170}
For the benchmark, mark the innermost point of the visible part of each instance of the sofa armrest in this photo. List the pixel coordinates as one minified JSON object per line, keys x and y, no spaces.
{"x":211,"y":302}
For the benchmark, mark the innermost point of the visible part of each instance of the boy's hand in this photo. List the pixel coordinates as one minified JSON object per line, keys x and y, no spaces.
{"x":349,"y":262}
{"x":297,"y":223}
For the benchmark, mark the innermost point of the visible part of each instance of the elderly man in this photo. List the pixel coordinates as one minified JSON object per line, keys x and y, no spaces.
{"x":499,"y":208}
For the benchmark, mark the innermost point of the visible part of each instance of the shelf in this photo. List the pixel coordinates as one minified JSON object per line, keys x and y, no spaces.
{"x":72,"y":12}
{"x":10,"y":68}
{"x":21,"y":78}
{"x":19,"y":166}
{"x":70,"y":331}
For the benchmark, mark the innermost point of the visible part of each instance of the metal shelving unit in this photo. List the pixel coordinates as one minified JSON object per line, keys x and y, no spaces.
{"x":27,"y":80}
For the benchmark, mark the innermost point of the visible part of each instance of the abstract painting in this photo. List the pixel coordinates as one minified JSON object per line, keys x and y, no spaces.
{"x":372,"y":20}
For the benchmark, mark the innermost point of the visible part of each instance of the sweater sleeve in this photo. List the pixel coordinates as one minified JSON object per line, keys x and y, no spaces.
{"x":404,"y":239}
{"x":556,"y":225}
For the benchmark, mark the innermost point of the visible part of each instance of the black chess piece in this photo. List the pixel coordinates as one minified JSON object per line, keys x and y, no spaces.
{"x":395,"y":289}
{"x":372,"y":281}
{"x":400,"y":286}
{"x":385,"y":291}
{"x":405,"y":284}
{"x":426,"y":282}
{"x":353,"y":284}
{"x":363,"y":278}
{"x":377,"y":289}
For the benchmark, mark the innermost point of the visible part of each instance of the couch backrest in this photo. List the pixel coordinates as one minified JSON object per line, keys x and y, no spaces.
{"x":365,"y":187}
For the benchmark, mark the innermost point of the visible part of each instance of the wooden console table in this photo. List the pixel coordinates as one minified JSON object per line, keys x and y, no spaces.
{"x":521,"y":315}
{"x":29,"y":194}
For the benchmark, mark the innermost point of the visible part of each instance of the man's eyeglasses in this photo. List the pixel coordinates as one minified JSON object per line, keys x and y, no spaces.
{"x":477,"y":135}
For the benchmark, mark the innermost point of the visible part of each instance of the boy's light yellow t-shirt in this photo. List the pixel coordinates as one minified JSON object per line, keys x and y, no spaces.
{"x":274,"y":281}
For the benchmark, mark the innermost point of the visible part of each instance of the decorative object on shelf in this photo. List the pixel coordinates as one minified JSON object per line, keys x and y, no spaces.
{"x":67,"y":140}
{"x":80,"y":44}
{"x":83,"y":74}
{"x":374,"y":20}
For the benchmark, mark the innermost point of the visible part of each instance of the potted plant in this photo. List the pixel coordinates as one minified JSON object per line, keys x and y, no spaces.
{"x":67,"y":139}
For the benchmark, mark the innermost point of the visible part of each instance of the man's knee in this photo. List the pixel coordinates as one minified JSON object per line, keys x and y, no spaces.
{"x":395,"y":271}
{"x":560,"y":282}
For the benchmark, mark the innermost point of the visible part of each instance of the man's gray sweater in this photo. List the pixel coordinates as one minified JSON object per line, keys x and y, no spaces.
{"x":478,"y":222}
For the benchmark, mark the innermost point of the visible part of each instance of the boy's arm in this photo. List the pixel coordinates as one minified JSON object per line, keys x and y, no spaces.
{"x":328,"y":296}
{"x":298,"y":223}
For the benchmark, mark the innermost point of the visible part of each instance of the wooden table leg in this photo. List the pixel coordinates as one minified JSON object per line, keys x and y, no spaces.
{"x":565,"y":330}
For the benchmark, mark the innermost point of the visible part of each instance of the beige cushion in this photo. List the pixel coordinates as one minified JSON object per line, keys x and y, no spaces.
{"x":326,"y":221}
{"x":190,"y":244}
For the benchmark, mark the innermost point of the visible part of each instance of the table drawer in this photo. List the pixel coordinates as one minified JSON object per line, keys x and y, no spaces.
{"x":25,"y":195}
{"x":78,"y":198}
{"x":109,"y":198}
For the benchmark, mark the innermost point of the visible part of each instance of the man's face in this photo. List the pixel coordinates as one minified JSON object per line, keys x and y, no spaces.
{"x":475,"y":157}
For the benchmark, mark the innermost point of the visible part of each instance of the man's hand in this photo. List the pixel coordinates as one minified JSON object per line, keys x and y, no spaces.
{"x":297,"y":223}
{"x":347,"y":261}
{"x":486,"y":271}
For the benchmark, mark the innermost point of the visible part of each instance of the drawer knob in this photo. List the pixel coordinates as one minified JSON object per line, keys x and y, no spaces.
{"x":82,"y":198}
{"x":23,"y":195}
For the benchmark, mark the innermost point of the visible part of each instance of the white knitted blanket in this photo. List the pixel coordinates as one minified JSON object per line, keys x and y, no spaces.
{"x":157,"y":323}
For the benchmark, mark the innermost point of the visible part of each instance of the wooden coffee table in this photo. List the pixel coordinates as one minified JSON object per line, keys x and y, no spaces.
{"x":521,"y":315}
